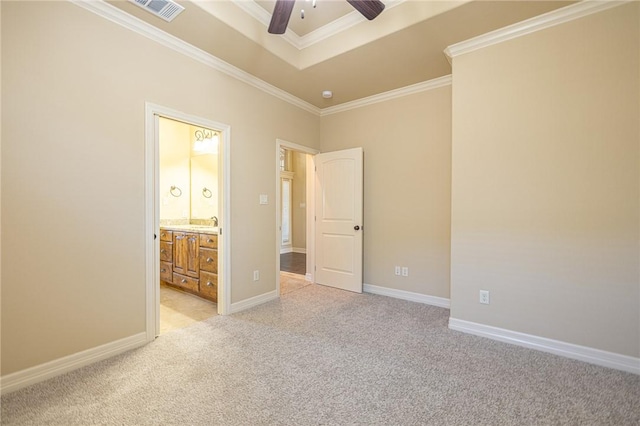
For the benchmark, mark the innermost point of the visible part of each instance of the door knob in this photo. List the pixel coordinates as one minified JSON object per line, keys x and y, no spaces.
{"x":357,"y":228}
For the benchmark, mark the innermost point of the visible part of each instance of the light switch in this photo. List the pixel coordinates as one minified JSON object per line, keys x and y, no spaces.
{"x":264,"y":199}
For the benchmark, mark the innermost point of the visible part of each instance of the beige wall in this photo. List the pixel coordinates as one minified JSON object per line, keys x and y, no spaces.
{"x":299,"y":194}
{"x":546,"y":183}
{"x":407,"y":172}
{"x":73,"y":213}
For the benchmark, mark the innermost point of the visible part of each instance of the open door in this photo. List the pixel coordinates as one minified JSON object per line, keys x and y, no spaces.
{"x":338,"y":209}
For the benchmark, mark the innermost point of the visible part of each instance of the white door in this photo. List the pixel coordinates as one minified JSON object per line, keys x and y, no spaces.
{"x":339,"y":219}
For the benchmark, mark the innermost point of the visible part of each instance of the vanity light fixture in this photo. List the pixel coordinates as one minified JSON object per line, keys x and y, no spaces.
{"x":206,"y":142}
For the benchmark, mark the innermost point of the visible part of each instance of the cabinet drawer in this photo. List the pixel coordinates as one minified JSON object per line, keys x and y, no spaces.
{"x":209,"y":260}
{"x":166,"y":271}
{"x":185,"y":282}
{"x":209,"y":241}
{"x":166,"y":235}
{"x":166,"y":251}
{"x":209,"y":285}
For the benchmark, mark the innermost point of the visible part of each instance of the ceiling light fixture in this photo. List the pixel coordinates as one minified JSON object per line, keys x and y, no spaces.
{"x":302,"y":10}
{"x":327,"y":94}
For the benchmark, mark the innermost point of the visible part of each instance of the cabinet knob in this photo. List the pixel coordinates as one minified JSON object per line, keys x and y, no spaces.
{"x":163,"y":251}
{"x":163,"y":270}
{"x":209,"y":240}
{"x":209,"y":259}
{"x":183,"y":281}
{"x":209,"y":283}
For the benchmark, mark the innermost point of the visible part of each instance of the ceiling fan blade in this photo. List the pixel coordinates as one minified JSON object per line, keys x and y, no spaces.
{"x":280,"y":18}
{"x":370,"y":9}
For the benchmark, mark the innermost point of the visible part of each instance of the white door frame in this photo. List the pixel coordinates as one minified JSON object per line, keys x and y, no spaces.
{"x":152,"y":212}
{"x":310,"y":202}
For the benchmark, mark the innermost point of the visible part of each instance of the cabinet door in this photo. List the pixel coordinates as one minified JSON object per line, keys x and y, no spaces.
{"x":193,"y":262}
{"x":185,"y":254}
{"x":180,"y":252}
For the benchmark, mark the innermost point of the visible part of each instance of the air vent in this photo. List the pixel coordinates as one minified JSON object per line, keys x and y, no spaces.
{"x":165,"y":9}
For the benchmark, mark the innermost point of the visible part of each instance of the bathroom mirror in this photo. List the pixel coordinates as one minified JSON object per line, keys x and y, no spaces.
{"x":204,"y":186}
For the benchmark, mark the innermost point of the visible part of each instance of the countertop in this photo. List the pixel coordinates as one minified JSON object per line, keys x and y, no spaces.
{"x":203,"y":229}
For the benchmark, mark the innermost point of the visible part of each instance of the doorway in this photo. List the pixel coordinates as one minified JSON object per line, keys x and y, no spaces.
{"x":187,"y":252}
{"x":188,"y":194}
{"x":294,"y":224}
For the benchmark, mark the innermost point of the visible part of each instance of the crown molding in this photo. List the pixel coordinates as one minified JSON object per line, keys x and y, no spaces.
{"x":541,"y":22}
{"x":117,"y":16}
{"x":301,"y":42}
{"x":391,"y":94}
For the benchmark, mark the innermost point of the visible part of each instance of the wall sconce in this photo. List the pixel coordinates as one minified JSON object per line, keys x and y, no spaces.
{"x":206,"y":142}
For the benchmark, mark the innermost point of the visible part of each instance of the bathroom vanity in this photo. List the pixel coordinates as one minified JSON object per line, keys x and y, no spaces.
{"x":189,"y":259}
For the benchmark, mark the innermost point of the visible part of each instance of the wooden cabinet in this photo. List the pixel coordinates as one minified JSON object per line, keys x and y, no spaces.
{"x":209,"y":285}
{"x":185,"y":254}
{"x":166,"y":255}
{"x":189,"y":260}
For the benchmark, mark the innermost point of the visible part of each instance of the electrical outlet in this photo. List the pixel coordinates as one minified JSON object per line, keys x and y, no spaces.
{"x":397,"y":270}
{"x":484,"y":297}
{"x":256,"y":275}
{"x":405,"y":271}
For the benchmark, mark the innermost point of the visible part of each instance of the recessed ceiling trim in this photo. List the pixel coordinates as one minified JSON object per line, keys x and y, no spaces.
{"x":541,"y":22}
{"x":341,"y":24}
{"x":117,"y":16}
{"x":316,"y":36}
{"x":391,"y":94}
{"x":258,"y":13}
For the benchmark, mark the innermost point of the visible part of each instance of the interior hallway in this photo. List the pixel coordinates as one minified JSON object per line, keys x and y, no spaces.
{"x":296,"y":263}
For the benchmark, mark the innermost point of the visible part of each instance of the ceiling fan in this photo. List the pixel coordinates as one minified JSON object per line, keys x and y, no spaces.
{"x":370,"y":9}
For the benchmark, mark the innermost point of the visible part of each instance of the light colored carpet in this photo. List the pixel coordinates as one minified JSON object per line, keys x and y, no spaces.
{"x":325,"y":356}
{"x":291,"y":282}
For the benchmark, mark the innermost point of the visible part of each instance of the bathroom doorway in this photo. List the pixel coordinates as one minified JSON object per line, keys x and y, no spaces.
{"x":188,"y":194}
{"x":294,"y":189}
{"x":187,"y":181}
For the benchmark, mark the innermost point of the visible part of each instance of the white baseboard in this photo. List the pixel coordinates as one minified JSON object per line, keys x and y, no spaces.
{"x":568,"y":350}
{"x":407,"y":295}
{"x":253,"y":301}
{"x":39,"y":373}
{"x":284,"y":250}
{"x":299,"y":250}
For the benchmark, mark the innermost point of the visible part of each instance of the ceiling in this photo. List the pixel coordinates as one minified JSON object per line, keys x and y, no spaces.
{"x":334,"y":47}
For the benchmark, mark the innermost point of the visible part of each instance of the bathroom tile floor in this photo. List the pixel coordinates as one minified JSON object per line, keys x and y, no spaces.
{"x":179,"y":309}
{"x":291,"y":282}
